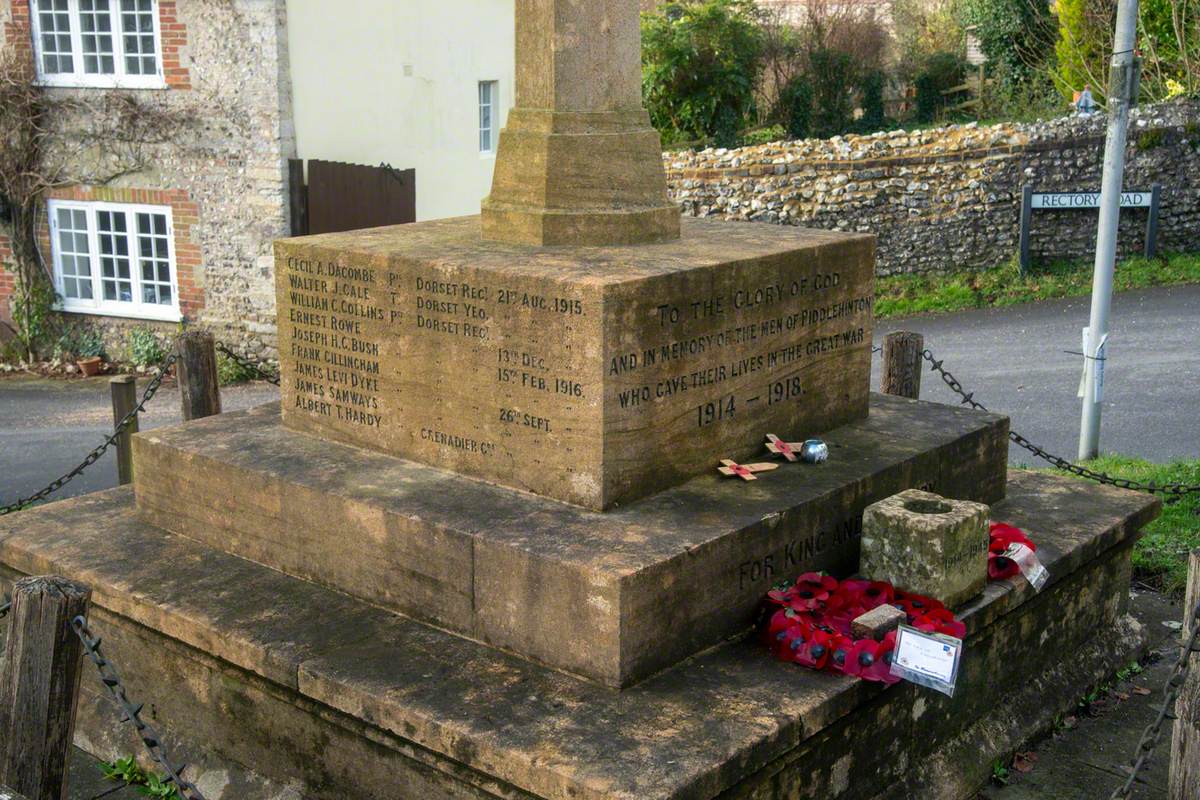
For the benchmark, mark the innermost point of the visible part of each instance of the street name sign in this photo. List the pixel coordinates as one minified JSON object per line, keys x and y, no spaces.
{"x":1069,"y":201}
{"x":1089,"y":199}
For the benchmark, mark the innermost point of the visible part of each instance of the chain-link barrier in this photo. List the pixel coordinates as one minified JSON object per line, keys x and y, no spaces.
{"x":270,"y":376}
{"x":1154,"y":731}
{"x":99,"y":451}
{"x":5,"y":606}
{"x":132,"y":713}
{"x":1175,"y":490}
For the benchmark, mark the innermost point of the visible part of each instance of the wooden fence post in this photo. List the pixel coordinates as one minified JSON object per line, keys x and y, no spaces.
{"x":124,"y":400}
{"x":199,"y":391}
{"x":39,"y":683}
{"x":1184,"y":782}
{"x":901,"y":373}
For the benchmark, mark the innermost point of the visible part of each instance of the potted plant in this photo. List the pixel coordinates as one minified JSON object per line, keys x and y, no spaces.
{"x":89,"y":347}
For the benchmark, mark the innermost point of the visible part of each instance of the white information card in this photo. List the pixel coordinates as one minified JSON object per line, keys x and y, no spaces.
{"x":927,"y":659}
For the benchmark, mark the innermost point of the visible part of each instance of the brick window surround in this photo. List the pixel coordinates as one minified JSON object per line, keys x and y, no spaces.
{"x":185,"y":216}
{"x":18,"y":33}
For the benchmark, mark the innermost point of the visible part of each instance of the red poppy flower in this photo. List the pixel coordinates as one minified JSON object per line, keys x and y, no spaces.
{"x":839,"y":655}
{"x":853,"y":587}
{"x":1002,"y":535}
{"x":841,"y":623}
{"x":844,"y":604}
{"x":877,"y":593}
{"x":780,"y":620}
{"x":881,"y":670}
{"x":781,"y":595}
{"x":915,"y":605}
{"x":815,"y":651}
{"x":1001,"y":568}
{"x":788,"y":641}
{"x":940,"y":620}
{"x":872,"y":660}
{"x":812,"y":590}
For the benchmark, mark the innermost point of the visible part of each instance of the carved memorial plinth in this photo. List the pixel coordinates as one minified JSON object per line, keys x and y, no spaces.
{"x":592,"y":375}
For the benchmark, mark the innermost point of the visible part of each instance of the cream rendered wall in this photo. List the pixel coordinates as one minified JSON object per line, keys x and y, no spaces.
{"x":397,"y":81}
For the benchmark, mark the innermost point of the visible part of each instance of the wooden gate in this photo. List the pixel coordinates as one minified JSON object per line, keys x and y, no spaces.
{"x":346,"y":197}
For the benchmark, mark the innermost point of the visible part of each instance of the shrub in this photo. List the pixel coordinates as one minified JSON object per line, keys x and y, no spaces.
{"x":700,"y":68}
{"x":832,"y":74}
{"x":230,"y":372}
{"x":79,"y":342}
{"x":796,"y":107}
{"x":1148,"y":140}
{"x":941,"y":71}
{"x":922,"y":28}
{"x":145,"y":348}
{"x":774,"y":133}
{"x":873,"y":118}
{"x":1017,"y":36}
{"x":1084,"y":45}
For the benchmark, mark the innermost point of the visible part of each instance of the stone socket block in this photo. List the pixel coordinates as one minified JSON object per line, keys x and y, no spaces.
{"x":877,"y":623}
{"x":924,"y":543}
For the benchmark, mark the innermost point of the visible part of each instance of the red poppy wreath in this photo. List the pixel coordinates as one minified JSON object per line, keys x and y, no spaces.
{"x":809,"y":621}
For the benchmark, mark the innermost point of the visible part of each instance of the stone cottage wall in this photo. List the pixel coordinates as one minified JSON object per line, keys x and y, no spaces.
{"x":224,"y":172}
{"x":950,"y":197}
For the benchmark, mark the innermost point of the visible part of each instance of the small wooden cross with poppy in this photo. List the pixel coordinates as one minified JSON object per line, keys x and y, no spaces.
{"x":789,"y":450}
{"x":732,"y":469}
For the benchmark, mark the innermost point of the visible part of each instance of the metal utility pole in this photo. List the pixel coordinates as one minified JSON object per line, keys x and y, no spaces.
{"x":1123,"y":83}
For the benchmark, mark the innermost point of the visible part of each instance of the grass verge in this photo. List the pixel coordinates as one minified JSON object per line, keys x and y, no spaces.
{"x":905,"y":295}
{"x":1160,"y":557}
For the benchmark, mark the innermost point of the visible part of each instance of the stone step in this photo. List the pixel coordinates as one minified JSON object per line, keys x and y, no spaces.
{"x":612,"y":596}
{"x":251,"y":667}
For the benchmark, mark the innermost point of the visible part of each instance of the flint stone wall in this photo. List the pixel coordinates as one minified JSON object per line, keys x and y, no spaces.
{"x":950,"y":197}
{"x":228,"y":158}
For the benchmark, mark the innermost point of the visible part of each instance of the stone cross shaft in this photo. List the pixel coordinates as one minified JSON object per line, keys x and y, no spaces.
{"x":578,"y":162}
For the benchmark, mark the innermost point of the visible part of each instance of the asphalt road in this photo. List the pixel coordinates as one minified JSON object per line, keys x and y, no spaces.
{"x":47,"y":426}
{"x":1015,"y":361}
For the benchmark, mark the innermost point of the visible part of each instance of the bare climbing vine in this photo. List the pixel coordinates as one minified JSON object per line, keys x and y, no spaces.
{"x":52,"y":139}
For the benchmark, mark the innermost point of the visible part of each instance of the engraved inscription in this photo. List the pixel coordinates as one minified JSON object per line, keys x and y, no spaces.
{"x":590,"y":383}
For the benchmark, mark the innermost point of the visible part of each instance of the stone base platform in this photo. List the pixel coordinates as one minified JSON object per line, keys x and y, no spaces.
{"x":263,"y":679}
{"x":613,"y":596}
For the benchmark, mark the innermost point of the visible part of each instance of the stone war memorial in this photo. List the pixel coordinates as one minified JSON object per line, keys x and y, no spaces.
{"x":482,"y":549}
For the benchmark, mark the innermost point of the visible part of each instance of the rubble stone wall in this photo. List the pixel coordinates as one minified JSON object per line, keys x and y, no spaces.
{"x":949,"y":198}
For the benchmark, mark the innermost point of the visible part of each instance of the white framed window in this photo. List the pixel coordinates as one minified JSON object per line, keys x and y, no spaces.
{"x":115,"y":259}
{"x":100,"y":43}
{"x":489,"y":102}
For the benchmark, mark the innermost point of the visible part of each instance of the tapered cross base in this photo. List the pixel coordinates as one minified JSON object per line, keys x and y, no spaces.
{"x":578,"y":161}
{"x":569,"y":178}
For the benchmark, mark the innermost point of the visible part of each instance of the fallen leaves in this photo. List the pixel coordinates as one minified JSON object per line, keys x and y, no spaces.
{"x":1025,"y":762}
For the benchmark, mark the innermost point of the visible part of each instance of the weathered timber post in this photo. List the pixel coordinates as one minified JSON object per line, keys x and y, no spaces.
{"x":199,"y":391}
{"x":39,"y":682}
{"x":124,"y":400}
{"x":902,"y":364}
{"x":1184,"y":782}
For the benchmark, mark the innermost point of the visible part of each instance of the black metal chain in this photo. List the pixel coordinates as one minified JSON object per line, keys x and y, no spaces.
{"x":1154,"y":731}
{"x":5,"y":606}
{"x":245,"y":363}
{"x":1171,"y":489}
{"x":99,"y":451}
{"x":132,"y":712}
